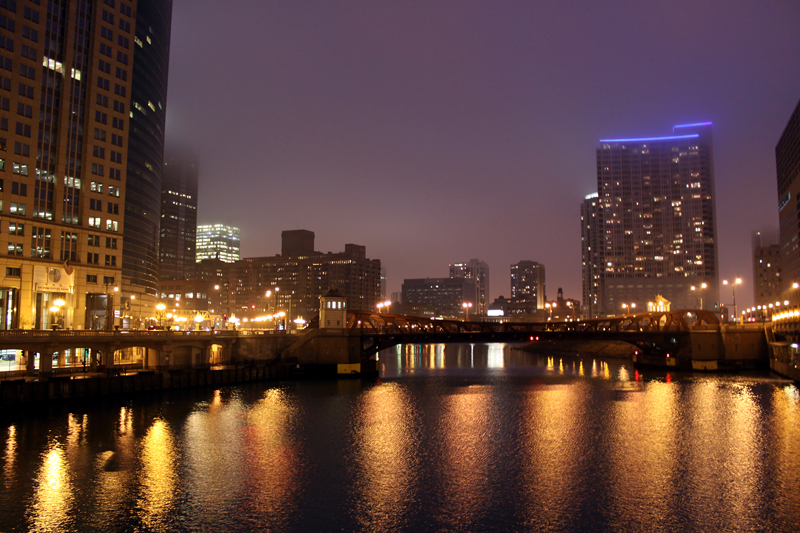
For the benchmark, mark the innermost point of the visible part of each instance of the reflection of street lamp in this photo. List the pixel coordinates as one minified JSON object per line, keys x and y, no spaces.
{"x":734,"y":283}
{"x":466,"y":306}
{"x":550,"y":308}
{"x":700,"y":291}
{"x":281,"y":315}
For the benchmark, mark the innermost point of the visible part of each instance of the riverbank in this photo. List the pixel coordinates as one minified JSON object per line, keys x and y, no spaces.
{"x":25,"y":391}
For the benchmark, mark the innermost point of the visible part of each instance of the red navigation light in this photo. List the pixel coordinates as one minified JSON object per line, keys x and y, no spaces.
{"x":669,"y":378}
{"x":636,"y":375}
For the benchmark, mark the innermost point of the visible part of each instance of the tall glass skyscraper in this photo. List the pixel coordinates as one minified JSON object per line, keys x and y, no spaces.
{"x":654,"y":222}
{"x":148,"y":112}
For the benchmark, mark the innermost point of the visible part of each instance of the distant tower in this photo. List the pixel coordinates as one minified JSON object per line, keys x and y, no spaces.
{"x":332,"y":310}
{"x":527,"y":286}
{"x":178,"y":214}
{"x":479,"y":271}
{"x":217,"y":241}
{"x":656,"y":223}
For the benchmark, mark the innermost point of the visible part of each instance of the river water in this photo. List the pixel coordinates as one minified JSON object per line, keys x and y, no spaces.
{"x":451,"y":438}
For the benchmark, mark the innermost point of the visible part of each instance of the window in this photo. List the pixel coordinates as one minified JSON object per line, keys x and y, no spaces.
{"x":96,"y":186}
{"x":40,"y":242}
{"x":124,"y":25}
{"x":93,"y":259}
{"x":111,"y":260}
{"x":13,"y":272}
{"x":94,"y":240}
{"x":102,"y":100}
{"x":22,"y":149}
{"x":111,"y":242}
{"x":95,"y":222}
{"x":98,"y":151}
{"x":91,"y":278}
{"x":15,"y":249}
{"x":16,"y":229}
{"x":17,"y":209}
{"x":19,"y":168}
{"x":108,"y":280}
{"x":102,"y":83}
{"x":119,"y":106}
{"x":116,"y":122}
{"x":19,"y":188}
{"x":98,"y":169}
{"x":112,"y":225}
{"x":106,"y":33}
{"x":122,"y":58}
{"x":26,"y":91}
{"x":101,"y":117}
{"x":100,"y":134}
{"x":112,"y":190}
{"x":108,"y":17}
{"x":116,"y":157}
{"x":95,"y":205}
{"x":30,"y":33}
{"x":119,"y":89}
{"x":23,"y":129}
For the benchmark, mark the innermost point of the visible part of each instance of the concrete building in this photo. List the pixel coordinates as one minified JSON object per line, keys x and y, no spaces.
{"x":294,"y":281}
{"x":656,"y":223}
{"x":527,"y":288}
{"x":479,"y":271}
{"x":439,"y":297}
{"x":766,"y":271}
{"x":69,"y":72}
{"x":178,"y":214}
{"x":217,"y":241}
{"x":787,"y":161}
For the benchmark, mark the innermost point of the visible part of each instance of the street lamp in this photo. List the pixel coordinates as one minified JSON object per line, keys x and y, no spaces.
{"x":550,"y":309}
{"x":466,"y":306}
{"x":160,"y":312}
{"x":700,"y":291}
{"x":737,"y":281}
{"x":626,"y":306}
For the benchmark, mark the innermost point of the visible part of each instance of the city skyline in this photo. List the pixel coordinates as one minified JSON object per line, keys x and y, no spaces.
{"x":470,"y":132}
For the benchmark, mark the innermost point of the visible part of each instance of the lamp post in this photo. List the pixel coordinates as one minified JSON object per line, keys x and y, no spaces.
{"x":110,"y":307}
{"x":550,"y":309}
{"x":734,"y":283}
{"x":700,"y":291}
{"x":466,"y":306}
{"x":160,"y":312}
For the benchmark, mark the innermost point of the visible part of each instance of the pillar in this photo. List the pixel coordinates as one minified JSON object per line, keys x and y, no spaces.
{"x":29,"y":361}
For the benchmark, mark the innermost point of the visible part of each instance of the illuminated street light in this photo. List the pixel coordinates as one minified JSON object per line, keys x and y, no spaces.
{"x":700,"y":291}
{"x":466,"y":306}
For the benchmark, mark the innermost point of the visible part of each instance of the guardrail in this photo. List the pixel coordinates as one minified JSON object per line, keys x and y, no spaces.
{"x":82,"y":333}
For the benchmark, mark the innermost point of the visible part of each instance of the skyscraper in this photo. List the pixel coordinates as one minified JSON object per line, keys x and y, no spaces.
{"x":68,"y":72}
{"x":787,"y":160}
{"x":527,"y":287}
{"x":479,"y":271}
{"x":178,"y":215}
{"x":592,"y":257}
{"x":217,"y":241}
{"x":655,"y":220}
{"x":148,"y":112}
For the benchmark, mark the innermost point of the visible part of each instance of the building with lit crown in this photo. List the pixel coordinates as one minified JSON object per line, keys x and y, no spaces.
{"x":217,"y":241}
{"x":654,"y":224}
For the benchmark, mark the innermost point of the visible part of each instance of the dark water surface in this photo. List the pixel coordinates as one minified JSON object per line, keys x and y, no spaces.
{"x":456,"y":438}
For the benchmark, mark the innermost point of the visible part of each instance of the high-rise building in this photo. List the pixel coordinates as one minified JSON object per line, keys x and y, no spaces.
{"x":439,"y":297}
{"x":217,"y":241}
{"x":527,"y":288}
{"x":656,"y":221}
{"x":148,"y":112}
{"x":69,"y":72}
{"x":293,"y":281}
{"x":766,"y":274}
{"x":178,"y":214}
{"x":592,"y":257}
{"x":479,"y":271}
{"x":787,"y":159}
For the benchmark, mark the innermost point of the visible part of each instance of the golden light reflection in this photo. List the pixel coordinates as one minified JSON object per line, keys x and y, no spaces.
{"x":467,"y":456}
{"x":550,"y":363}
{"x":159,"y":478}
{"x":560,"y":366}
{"x":580,"y":369}
{"x":552,"y":452}
{"x":10,"y":456}
{"x":594,"y":368}
{"x":270,"y":462}
{"x":606,"y":371}
{"x":623,"y":374}
{"x":386,"y":452}
{"x":53,"y":493}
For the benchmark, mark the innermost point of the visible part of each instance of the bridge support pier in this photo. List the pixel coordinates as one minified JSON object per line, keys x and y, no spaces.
{"x":30,"y":360}
{"x":46,"y":362}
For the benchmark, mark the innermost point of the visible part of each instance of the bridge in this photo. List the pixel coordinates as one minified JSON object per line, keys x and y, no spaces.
{"x":688,"y":334}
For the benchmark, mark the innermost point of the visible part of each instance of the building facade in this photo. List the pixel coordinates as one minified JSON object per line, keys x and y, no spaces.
{"x":294,"y":281}
{"x":479,"y":271}
{"x":178,"y":214}
{"x":217,"y":241}
{"x":656,"y":222}
{"x":787,"y":162}
{"x":591,"y":257}
{"x":767,"y":274}
{"x":68,"y":70}
{"x":148,"y":113}
{"x":439,"y":297}
{"x":527,"y":288}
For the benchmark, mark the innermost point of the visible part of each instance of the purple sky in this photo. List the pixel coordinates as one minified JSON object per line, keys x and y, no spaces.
{"x":434,"y":132}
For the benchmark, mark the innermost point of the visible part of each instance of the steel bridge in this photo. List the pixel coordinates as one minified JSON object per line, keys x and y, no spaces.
{"x":657,"y":333}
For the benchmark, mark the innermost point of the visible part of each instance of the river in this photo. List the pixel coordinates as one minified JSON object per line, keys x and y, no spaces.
{"x":450,"y":438}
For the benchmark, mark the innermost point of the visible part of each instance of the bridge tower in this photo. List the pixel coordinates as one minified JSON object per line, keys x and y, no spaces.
{"x":332,"y":310}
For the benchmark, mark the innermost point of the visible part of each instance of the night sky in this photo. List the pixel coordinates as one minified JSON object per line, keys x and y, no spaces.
{"x":435,"y":132}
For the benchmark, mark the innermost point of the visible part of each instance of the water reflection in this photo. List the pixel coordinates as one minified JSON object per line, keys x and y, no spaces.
{"x":53,"y":493}
{"x":10,"y":456}
{"x":159,"y":477}
{"x":386,"y":449}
